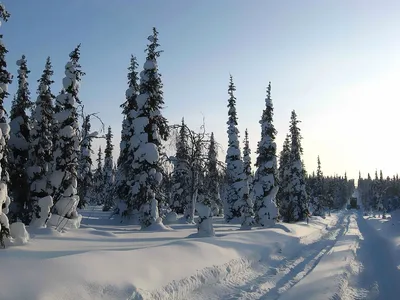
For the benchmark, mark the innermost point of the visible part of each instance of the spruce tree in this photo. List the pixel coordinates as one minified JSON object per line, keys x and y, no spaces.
{"x":98,"y":180}
{"x":247,"y":161}
{"x":296,"y":190}
{"x":213,"y":178}
{"x":85,"y":175}
{"x":181,"y":196}
{"x":41,"y":148}
{"x":150,"y":129}
{"x":283,"y":171}
{"x":19,"y":142}
{"x":266,"y":176}
{"x":5,"y":80}
{"x":67,"y":146}
{"x":238,"y":200}
{"x":125,"y":159}
{"x":317,"y":197}
{"x":108,"y":172}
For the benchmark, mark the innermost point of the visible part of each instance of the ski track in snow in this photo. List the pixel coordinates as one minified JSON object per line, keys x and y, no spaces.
{"x":379,"y":277}
{"x":363,"y":261}
{"x":269,"y":281}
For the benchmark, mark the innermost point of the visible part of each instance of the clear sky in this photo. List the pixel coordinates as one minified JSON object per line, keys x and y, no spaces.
{"x":337,"y":63}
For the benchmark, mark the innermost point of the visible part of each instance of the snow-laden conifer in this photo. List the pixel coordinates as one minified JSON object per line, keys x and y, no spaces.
{"x":296,"y":190}
{"x":5,"y":80}
{"x":247,"y":161}
{"x":97,"y":191}
{"x":284,"y":160}
{"x":19,"y":142}
{"x":265,"y":179}
{"x":108,"y":172}
{"x":181,"y":176}
{"x":213,"y":178}
{"x":67,"y":146}
{"x":85,"y":174}
{"x":317,"y":197}
{"x":239,"y":206}
{"x":41,"y":148}
{"x":150,"y":129}
{"x":125,"y":159}
{"x":204,"y":205}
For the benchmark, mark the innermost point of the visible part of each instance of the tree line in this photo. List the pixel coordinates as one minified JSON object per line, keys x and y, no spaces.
{"x":47,"y":170}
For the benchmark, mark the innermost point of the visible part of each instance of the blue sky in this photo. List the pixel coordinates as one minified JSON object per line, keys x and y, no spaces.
{"x":337,"y":63}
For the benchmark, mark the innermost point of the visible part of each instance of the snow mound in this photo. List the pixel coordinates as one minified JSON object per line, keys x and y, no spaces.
{"x":157,"y":226}
{"x":19,"y":234}
{"x":45,"y":204}
{"x":171,"y":217}
{"x":64,"y":223}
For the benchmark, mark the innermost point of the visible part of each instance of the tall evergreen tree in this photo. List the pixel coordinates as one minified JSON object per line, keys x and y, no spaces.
{"x":150,"y":129}
{"x":238,"y":200}
{"x":5,"y":80}
{"x":283,"y":171}
{"x":98,"y":180}
{"x":181,"y":196}
{"x":20,"y":139}
{"x":126,"y":155}
{"x":247,"y":161}
{"x":41,"y":148}
{"x":266,"y":176}
{"x":108,"y":172}
{"x":317,"y":197}
{"x":85,"y":175}
{"x":67,"y":146}
{"x":297,"y":195}
{"x":213,"y":178}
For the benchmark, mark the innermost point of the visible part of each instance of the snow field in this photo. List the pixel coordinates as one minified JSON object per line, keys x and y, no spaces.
{"x":104,"y":260}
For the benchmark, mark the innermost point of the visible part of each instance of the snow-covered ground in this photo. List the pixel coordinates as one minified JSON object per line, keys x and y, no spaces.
{"x":345,"y":256}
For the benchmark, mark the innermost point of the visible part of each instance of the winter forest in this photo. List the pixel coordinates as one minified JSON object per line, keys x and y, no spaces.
{"x":48,"y":172}
{"x":165,"y":173}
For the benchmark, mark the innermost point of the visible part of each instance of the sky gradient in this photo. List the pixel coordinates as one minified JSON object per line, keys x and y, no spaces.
{"x":337,"y":63}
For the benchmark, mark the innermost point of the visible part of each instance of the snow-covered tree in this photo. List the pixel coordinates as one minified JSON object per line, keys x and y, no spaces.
{"x":239,"y":204}
{"x":85,"y":175}
{"x":283,"y":171}
{"x":125,"y":159}
{"x":19,"y":142}
{"x":67,"y":146}
{"x":317,"y":197}
{"x":150,"y":129}
{"x":213,"y":178}
{"x":41,"y":148}
{"x":181,"y":193}
{"x":98,"y":180}
{"x":247,"y":161}
{"x":108,"y":172}
{"x":204,"y":205}
{"x":5,"y":80}
{"x":190,"y":168}
{"x":296,"y":207}
{"x":266,"y":175}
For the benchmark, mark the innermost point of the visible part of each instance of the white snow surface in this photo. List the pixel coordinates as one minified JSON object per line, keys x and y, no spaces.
{"x":344,"y":256}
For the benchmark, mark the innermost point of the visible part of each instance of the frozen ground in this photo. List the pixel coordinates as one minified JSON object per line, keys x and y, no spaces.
{"x":345,"y":256}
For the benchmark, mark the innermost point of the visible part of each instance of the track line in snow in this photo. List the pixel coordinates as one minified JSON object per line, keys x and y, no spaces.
{"x":379,"y":277}
{"x":298,"y":272}
{"x":268,"y":281}
{"x":331,"y":278}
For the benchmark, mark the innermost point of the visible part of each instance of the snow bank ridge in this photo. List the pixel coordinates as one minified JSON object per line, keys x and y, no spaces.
{"x":207,"y":276}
